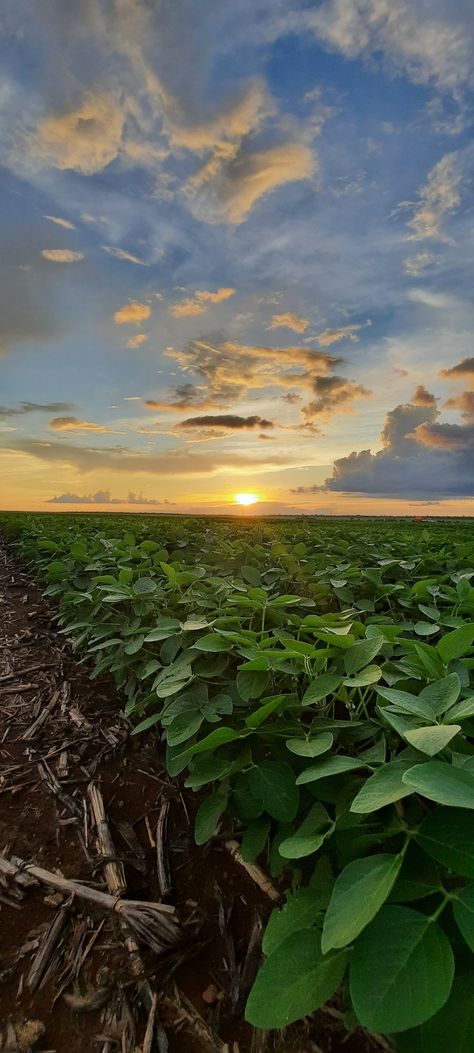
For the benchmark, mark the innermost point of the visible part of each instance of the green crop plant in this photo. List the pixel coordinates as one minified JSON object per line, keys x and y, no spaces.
{"x":313,"y":681}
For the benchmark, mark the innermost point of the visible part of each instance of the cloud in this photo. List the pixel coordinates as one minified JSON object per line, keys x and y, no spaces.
{"x":415,"y":265}
{"x":228,"y":369}
{"x":463,"y":369}
{"x":132,"y":313}
{"x":138,"y":340}
{"x":229,"y":420}
{"x":61,"y":222}
{"x":75,"y":424}
{"x":104,"y":497}
{"x":122,"y":459}
{"x":431,"y":299}
{"x":333,"y":393}
{"x":313,"y":488}
{"x":465,"y":404}
{"x":412,"y":38}
{"x":438,"y":198}
{"x":422,"y":397}
{"x":85,"y":139}
{"x":420,"y":458}
{"x":34,"y":407}
{"x":227,"y":190}
{"x":122,"y":254}
{"x":289,"y":320}
{"x":62,"y":255}
{"x":200,"y":302}
{"x":345,"y":332}
{"x":225,"y":128}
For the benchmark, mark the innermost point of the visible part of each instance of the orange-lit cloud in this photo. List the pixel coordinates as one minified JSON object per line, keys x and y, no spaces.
{"x":86,"y":138}
{"x":75,"y":424}
{"x":289,"y":320}
{"x":199,"y":303}
{"x":122,"y":254}
{"x":138,"y":340}
{"x":132,"y":313}
{"x":439,"y":197}
{"x":62,"y":255}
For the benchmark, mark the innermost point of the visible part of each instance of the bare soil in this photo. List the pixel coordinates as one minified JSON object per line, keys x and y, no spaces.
{"x":60,"y":731}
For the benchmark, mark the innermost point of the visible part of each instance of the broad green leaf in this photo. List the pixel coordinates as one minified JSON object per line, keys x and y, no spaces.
{"x":207,"y":769}
{"x":448,"y":836}
{"x":334,"y":765}
{"x":452,"y":1028}
{"x":426,"y":628}
{"x":441,"y":694}
{"x":311,"y":747}
{"x":358,"y":894}
{"x":212,"y":642}
{"x":442,"y":783}
{"x":294,"y":981}
{"x":463,"y":910}
{"x":361,"y":653}
{"x":302,"y":910}
{"x":207,"y":817}
{"x":401,"y":971}
{"x":268,"y":706}
{"x":273,"y":783}
{"x":254,"y":839}
{"x":145,"y":586}
{"x":370,"y":675}
{"x":251,"y":683}
{"x":147,"y":723}
{"x":183,"y":727}
{"x":309,"y":836}
{"x":324,"y":685}
{"x":461,"y":711}
{"x":220,"y":737}
{"x":455,"y":644}
{"x":418,"y":878}
{"x":404,"y":702}
{"x":433,"y":738}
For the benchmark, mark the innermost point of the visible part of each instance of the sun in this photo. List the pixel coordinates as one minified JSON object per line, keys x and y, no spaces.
{"x":245,"y":499}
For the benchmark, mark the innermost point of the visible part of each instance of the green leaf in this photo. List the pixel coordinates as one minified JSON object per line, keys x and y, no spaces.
{"x":448,"y":836}
{"x":309,"y":835}
{"x":442,"y":783}
{"x":311,"y":747}
{"x":463,"y":910}
{"x":212,"y":642}
{"x":370,"y":675}
{"x":207,"y":817}
{"x":442,"y":693}
{"x":433,"y":738}
{"x":452,"y":1028}
{"x":426,"y":629}
{"x":361,"y":653}
{"x":251,"y":683}
{"x":461,"y":711}
{"x":145,"y":586}
{"x":255,"y":839}
{"x":401,"y":970}
{"x":273,"y":783}
{"x":328,"y":766}
{"x":183,"y":727}
{"x":207,"y":769}
{"x":294,"y":981}
{"x":301,"y":911}
{"x":147,"y":723}
{"x":324,"y":685}
{"x":358,"y":894}
{"x":268,"y":706}
{"x":455,"y":644}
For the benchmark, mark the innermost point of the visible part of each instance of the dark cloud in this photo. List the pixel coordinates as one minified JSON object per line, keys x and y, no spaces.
{"x":422,"y":397}
{"x":332,"y":394}
{"x":104,"y":497}
{"x":226,"y":420}
{"x":420,"y":458}
{"x":313,"y":488}
{"x":34,"y":407}
{"x":463,"y":368}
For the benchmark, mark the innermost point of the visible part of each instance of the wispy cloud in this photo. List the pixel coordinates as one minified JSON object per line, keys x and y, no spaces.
{"x":289,"y":320}
{"x":438,"y":198}
{"x":122,"y":254}
{"x":199,"y":302}
{"x":138,"y":340}
{"x":75,"y":424}
{"x":62,"y":255}
{"x":61,"y":222}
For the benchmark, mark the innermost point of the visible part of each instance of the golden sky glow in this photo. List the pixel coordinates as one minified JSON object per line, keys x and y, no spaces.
{"x":236,"y":252}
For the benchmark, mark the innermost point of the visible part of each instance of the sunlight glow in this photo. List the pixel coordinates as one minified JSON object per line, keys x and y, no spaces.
{"x":246,"y":499}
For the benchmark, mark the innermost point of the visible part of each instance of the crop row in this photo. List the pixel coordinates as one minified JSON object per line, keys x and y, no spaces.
{"x":316,"y":678}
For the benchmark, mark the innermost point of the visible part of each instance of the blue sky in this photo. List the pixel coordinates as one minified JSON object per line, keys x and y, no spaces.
{"x":238,"y":248}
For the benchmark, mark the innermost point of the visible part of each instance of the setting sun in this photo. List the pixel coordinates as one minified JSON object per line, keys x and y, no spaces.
{"x":245,"y":499}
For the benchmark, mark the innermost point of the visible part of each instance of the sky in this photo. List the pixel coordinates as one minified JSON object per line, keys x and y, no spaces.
{"x":237,"y":256}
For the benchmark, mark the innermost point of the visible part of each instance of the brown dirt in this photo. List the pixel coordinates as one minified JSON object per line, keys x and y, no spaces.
{"x":215,"y":900}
